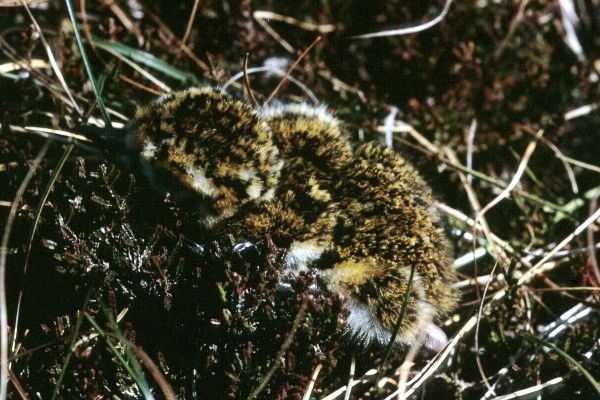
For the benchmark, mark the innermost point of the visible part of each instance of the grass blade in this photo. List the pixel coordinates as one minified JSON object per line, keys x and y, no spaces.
{"x":67,"y":358}
{"x":87,"y":65}
{"x":146,"y":59}
{"x":133,"y":370}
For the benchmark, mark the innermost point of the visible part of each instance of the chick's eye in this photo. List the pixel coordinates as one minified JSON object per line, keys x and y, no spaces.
{"x":327,"y":260}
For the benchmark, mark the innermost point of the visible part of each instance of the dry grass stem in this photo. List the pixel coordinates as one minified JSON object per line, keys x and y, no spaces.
{"x":52,"y":60}
{"x":34,"y":63}
{"x":3,"y":255}
{"x":512,"y":184}
{"x":144,"y":72}
{"x":527,"y":392}
{"x":409,"y":360}
{"x":273,"y":33}
{"x":292,"y":67}
{"x":125,"y":20}
{"x":388,"y":126}
{"x":190,"y":24}
{"x":590,"y":239}
{"x":475,"y":206}
{"x":541,"y":265}
{"x":311,"y":383}
{"x":307,"y":26}
{"x":366,"y":377}
{"x":350,"y":379}
{"x":410,"y":29}
{"x":255,"y":70}
{"x":581,"y":111}
{"x":247,"y":81}
{"x":479,"y":316}
{"x":470,"y":139}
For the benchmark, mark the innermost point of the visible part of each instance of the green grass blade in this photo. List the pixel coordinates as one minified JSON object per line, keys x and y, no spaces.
{"x":45,"y":193}
{"x":86,"y":64}
{"x":390,"y":345}
{"x":133,"y":369}
{"x":67,"y":359}
{"x":146,"y":59}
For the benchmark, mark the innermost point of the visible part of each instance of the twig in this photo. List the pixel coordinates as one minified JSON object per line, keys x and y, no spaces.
{"x":151,"y":366}
{"x":311,"y":383}
{"x":190,"y":24}
{"x":125,"y":20}
{"x":590,"y":240}
{"x":289,"y":71}
{"x":17,"y":385}
{"x":281,"y":353}
{"x":479,"y":314}
{"x":511,"y":29}
{"x":166,"y":32}
{"x":247,"y":81}
{"x":307,"y":26}
{"x":274,"y":71}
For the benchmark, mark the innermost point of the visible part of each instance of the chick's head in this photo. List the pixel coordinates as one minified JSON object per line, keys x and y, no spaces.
{"x":205,"y":144}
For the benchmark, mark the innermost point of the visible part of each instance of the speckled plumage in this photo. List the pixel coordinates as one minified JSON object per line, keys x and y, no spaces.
{"x":388,"y":226}
{"x":302,"y":215}
{"x":207,"y":143}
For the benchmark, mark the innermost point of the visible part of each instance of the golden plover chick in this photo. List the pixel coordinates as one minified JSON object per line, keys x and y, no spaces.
{"x":205,"y":144}
{"x":386,"y":227}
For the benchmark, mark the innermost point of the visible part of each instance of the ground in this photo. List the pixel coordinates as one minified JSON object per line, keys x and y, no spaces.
{"x":494,"y":105}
